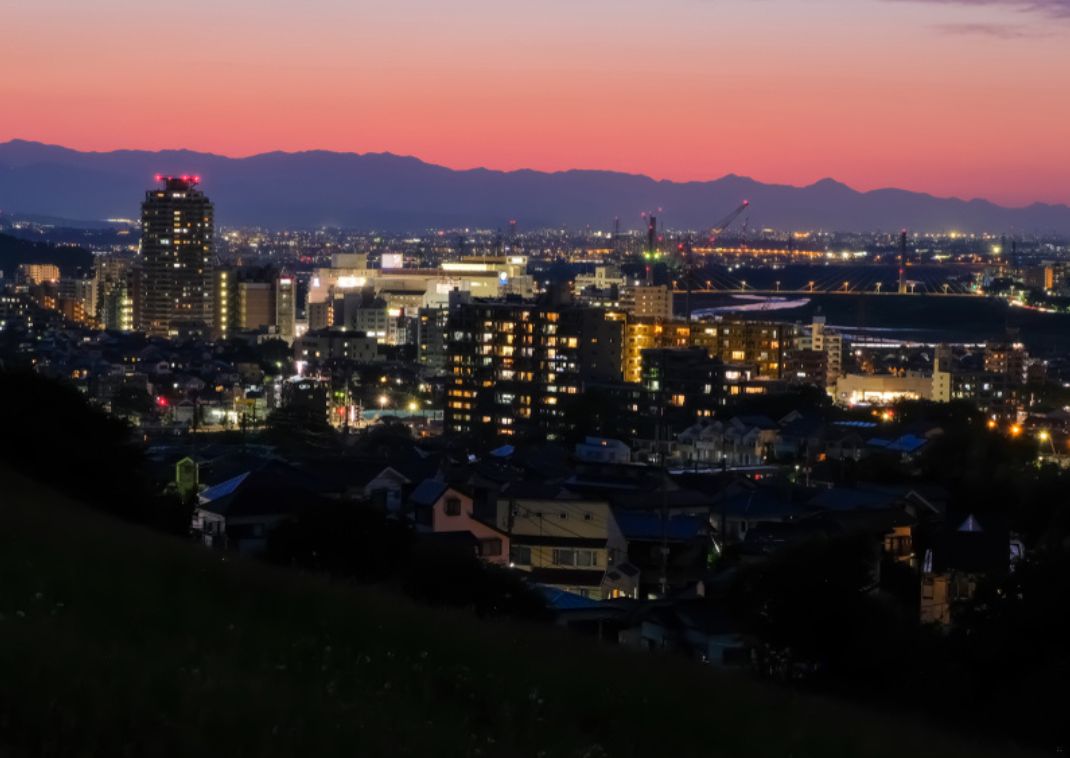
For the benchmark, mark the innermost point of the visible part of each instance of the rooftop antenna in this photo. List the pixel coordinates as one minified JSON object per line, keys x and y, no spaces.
{"x":662,"y":431}
{"x":651,"y":247}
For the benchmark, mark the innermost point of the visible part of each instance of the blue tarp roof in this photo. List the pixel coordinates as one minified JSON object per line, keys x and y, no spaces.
{"x":223,"y":489}
{"x":560,"y":600}
{"x":908,"y":443}
{"x":427,"y":492}
{"x":647,"y":525}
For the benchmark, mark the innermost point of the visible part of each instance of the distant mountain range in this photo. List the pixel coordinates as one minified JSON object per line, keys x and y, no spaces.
{"x":396,"y":193}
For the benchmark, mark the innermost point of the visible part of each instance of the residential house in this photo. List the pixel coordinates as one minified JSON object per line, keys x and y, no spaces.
{"x":566,"y":541}
{"x":240,"y":513}
{"x":741,"y":441}
{"x":957,"y":557}
{"x":846,"y":440}
{"x":438,"y":508}
{"x":800,"y":437}
{"x":603,"y":450}
{"x":674,"y":548}
{"x":741,"y":510}
{"x":696,"y":627}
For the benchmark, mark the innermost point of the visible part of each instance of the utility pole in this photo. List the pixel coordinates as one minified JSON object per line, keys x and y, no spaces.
{"x":664,"y":583}
{"x":902,"y":261}
{"x":651,"y":247}
{"x":346,"y":402}
{"x":689,"y":274}
{"x":196,"y":414}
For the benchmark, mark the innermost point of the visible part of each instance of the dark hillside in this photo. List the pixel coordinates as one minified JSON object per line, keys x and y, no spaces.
{"x":115,"y":640}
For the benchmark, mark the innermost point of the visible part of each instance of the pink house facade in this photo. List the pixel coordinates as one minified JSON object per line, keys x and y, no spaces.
{"x":438,"y":508}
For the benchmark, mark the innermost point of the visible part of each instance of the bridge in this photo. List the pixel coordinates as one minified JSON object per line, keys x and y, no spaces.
{"x":831,"y":282}
{"x":837,"y":291}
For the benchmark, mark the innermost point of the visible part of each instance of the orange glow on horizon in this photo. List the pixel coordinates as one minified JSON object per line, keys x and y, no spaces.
{"x":872,"y":93}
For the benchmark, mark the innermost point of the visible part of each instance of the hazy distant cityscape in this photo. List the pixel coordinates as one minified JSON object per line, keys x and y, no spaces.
{"x":753,"y":303}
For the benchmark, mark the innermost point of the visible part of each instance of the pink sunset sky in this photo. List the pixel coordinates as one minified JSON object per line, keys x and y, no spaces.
{"x":968,"y":98}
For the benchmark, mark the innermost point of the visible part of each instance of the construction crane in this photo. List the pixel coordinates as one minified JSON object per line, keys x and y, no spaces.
{"x":714,"y":233}
{"x":727,"y":221}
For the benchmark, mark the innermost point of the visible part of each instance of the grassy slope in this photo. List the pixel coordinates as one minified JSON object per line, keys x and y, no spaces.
{"x":115,"y":641}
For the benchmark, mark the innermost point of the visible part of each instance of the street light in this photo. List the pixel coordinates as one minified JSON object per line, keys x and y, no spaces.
{"x":1045,"y":436}
{"x":383,"y":400}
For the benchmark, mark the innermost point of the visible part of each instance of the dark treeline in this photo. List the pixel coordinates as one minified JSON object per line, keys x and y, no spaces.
{"x":14,"y":251}
{"x":53,"y":435}
{"x":823,"y":616}
{"x":818,"y":623}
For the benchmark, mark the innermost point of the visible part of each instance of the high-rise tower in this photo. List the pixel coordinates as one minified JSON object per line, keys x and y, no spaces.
{"x":175,"y":262}
{"x":286,"y":307}
{"x":115,"y":289}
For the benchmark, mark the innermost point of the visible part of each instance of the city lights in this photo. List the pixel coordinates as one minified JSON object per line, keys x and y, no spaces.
{"x":467,"y":407}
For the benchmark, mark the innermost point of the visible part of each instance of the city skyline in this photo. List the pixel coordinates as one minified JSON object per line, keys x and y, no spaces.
{"x":424,"y":379}
{"x":952,"y":98}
